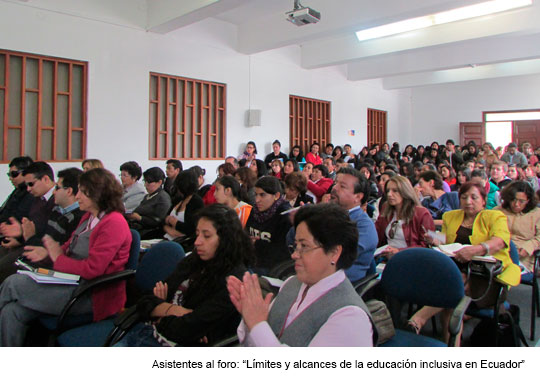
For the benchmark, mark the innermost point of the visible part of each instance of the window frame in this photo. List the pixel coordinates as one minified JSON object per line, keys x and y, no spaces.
{"x":310,"y":120}
{"x":216,"y":131}
{"x":83,"y":128}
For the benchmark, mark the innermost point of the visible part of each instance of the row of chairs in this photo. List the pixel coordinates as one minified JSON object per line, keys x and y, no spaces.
{"x":417,"y":276}
{"x":421,"y":276}
{"x":141,"y":276}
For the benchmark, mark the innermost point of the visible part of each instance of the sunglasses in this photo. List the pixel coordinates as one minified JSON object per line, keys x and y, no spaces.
{"x":393,"y":229}
{"x":30,"y":184}
{"x":13,"y":173}
{"x":57,"y":187}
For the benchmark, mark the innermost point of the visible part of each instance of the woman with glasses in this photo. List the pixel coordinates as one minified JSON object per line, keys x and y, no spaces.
{"x":483,"y":233}
{"x":316,"y":307}
{"x":403,"y":222}
{"x":519,"y":206}
{"x":149,"y":216}
{"x":134,"y":192}
{"x":99,"y":245}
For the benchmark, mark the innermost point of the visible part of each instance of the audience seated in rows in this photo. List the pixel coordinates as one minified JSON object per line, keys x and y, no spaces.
{"x":100,"y":245}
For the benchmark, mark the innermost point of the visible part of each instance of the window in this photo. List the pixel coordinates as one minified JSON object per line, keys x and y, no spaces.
{"x":187,"y":118}
{"x":42,"y":107}
{"x":309,"y":121}
{"x":503,"y":127}
{"x":376,"y":126}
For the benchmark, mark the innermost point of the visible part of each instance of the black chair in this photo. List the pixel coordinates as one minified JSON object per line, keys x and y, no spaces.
{"x":156,"y":265}
{"x":531,"y":279}
{"x":56,"y":324}
{"x":424,"y":276}
{"x":499,"y":315}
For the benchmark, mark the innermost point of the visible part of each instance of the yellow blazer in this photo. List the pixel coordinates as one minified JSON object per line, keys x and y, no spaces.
{"x":488,"y":223}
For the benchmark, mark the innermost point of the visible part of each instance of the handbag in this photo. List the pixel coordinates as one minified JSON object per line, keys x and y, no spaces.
{"x":382,"y":321}
{"x":482,"y":280}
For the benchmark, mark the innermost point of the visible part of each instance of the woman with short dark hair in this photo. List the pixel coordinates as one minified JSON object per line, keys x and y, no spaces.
{"x":519,"y":206}
{"x":314,"y":155}
{"x":181,"y":219}
{"x":149,"y":216}
{"x":134,"y":191}
{"x":318,"y":306}
{"x":483,"y":233}
{"x":295,"y":189}
{"x":435,"y":199}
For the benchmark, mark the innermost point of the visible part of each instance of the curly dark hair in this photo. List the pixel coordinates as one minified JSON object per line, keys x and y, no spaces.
{"x":101,"y":186}
{"x":234,"y":248}
{"x":508,"y":194}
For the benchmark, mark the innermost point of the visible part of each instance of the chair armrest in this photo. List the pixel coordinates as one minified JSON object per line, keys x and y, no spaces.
{"x":122,"y":324}
{"x":90,"y":285}
{"x":456,"y":320}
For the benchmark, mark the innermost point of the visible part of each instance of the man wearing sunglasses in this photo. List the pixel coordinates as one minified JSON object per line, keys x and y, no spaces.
{"x":18,"y":203}
{"x":63,"y":219}
{"x":39,"y":179}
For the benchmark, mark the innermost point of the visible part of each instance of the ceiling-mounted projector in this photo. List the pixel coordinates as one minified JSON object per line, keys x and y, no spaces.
{"x":301,"y":15}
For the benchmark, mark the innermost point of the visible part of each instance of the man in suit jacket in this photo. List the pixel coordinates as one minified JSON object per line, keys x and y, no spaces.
{"x":18,"y":203}
{"x":39,"y":179}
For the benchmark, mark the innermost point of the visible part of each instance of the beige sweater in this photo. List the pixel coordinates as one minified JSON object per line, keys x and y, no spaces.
{"x":525,"y":231}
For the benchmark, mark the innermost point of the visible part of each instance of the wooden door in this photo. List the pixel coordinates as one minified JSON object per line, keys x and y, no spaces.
{"x":526,"y":131}
{"x":472,"y":131}
{"x":376,"y":126}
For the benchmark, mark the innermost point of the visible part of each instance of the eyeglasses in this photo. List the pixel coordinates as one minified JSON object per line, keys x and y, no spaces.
{"x":58,"y":187}
{"x":520,"y":201}
{"x":393,"y":229}
{"x":301,"y":251}
{"x":13,"y":173}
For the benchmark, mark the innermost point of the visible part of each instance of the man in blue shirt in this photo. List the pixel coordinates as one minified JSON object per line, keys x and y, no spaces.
{"x":351,"y":192}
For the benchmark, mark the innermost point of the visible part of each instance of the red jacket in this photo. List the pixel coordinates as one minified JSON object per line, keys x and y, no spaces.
{"x":413,"y":231}
{"x":320,"y":188}
{"x":315,"y":160}
{"x":108,"y":252}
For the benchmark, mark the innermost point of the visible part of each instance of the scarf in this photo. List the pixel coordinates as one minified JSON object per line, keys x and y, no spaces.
{"x":264,"y":216}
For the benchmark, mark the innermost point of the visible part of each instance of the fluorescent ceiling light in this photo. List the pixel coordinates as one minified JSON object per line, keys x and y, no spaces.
{"x":476,"y":10}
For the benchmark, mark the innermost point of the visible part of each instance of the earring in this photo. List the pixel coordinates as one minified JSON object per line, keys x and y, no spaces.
{"x":333,"y":263}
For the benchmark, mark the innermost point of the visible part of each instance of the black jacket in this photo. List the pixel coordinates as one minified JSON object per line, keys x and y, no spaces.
{"x":213,"y":315}
{"x":270,"y":247}
{"x":17,"y":204}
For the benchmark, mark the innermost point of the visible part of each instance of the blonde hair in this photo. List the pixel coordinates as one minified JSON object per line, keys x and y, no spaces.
{"x":410,"y":199}
{"x":93,"y":162}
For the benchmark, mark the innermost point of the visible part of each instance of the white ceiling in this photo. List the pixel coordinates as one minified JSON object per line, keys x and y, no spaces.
{"x":505,"y":44}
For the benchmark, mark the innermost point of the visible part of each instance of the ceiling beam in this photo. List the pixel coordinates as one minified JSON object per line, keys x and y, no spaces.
{"x":167,"y":15}
{"x":346,"y":49}
{"x":478,"y":52}
{"x":498,"y":70}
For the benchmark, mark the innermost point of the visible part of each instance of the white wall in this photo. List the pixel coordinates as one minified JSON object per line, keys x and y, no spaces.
{"x":438,"y":110}
{"x":120,"y":59}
